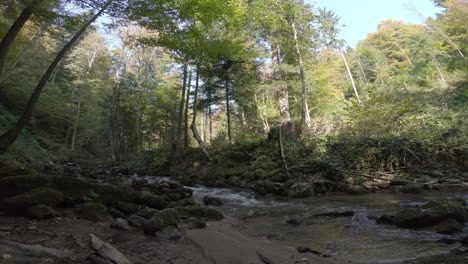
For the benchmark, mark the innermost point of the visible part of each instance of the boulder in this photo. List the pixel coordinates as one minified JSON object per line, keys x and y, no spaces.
{"x":115,"y":213}
{"x":169,"y":233}
{"x":195,"y":223}
{"x":41,"y":211}
{"x":208,"y":213}
{"x":150,"y":200}
{"x":301,"y":190}
{"x":169,"y":216}
{"x":355,"y":189}
{"x":430,"y":214}
{"x":154,"y":224}
{"x":208,"y":200}
{"x":136,"y":221}
{"x":14,"y":185}
{"x":413,"y":187}
{"x":43,"y":195}
{"x":94,"y":212}
{"x":259,"y":188}
{"x":147,"y":212}
{"x":125,"y":207}
{"x":120,"y":224}
{"x":448,"y":227}
{"x":110,"y":193}
{"x":294,"y":220}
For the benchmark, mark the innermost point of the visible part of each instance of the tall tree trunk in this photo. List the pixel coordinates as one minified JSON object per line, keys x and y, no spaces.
{"x":350,"y":75}
{"x":283,"y":95}
{"x":10,"y":36}
{"x":12,"y":134}
{"x":186,"y":128}
{"x":211,"y":122}
{"x":305,"y":107}
{"x":138,"y":120}
{"x":228,"y":112}
{"x":181,"y":112}
{"x":77,"y":118}
{"x":193,"y":126}
{"x":9,"y":68}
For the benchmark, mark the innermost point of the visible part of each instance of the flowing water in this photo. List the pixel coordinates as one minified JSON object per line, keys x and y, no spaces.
{"x":357,"y":238}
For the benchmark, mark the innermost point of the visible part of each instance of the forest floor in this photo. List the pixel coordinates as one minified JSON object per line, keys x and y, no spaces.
{"x":219,"y":242}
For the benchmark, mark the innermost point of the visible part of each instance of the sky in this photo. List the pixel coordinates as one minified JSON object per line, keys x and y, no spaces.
{"x":361,"y":17}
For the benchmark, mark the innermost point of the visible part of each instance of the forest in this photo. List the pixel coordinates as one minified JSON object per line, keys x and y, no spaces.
{"x":258,"y":95}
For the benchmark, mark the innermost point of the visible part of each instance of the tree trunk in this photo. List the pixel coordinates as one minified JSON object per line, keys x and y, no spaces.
{"x":350,"y":75}
{"x":10,"y":36}
{"x":228,"y":114}
{"x":193,"y":126}
{"x":362,"y":70}
{"x":186,"y":128}
{"x":283,"y":95}
{"x":12,"y":134}
{"x":181,"y":112}
{"x":77,"y":118}
{"x":305,"y":108}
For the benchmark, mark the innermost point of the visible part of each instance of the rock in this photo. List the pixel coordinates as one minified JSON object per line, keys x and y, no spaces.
{"x":398,"y":183}
{"x":14,"y":185}
{"x":207,"y":200}
{"x":259,"y":188}
{"x":39,"y":251}
{"x":120,"y":224}
{"x":355,"y":189}
{"x":125,"y":207}
{"x":302,"y":249}
{"x":430,"y":214}
{"x":136,"y":221}
{"x":154,"y":224}
{"x":169,"y":216}
{"x":195,"y":223}
{"x":147,"y":212}
{"x":208,"y":213}
{"x":414,"y":188}
{"x":464,"y":241}
{"x":43,"y":195}
{"x":169,"y":233}
{"x":42,"y":211}
{"x":448,"y":227}
{"x":115,"y":213}
{"x":337,"y":214}
{"x":385,"y":219}
{"x":294,"y":220}
{"x":110,"y":193}
{"x":108,"y":252}
{"x":94,"y":212}
{"x":301,"y":190}
{"x":146,"y":198}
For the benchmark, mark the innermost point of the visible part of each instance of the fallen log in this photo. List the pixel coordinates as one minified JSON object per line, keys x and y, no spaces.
{"x":107,"y":251}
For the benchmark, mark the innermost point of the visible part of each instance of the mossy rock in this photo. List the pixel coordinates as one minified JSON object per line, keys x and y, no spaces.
{"x":207,"y":213}
{"x":8,"y":170}
{"x":75,"y":190}
{"x":235,"y":171}
{"x":44,"y":195}
{"x":169,"y":216}
{"x":14,"y":185}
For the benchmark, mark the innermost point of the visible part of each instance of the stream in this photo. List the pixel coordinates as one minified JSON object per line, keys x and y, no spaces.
{"x":354,"y":238}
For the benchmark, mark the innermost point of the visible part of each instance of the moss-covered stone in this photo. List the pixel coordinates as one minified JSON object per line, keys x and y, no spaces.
{"x":13,"y":185}
{"x":169,"y":216}
{"x":41,"y":211}
{"x":43,"y":195}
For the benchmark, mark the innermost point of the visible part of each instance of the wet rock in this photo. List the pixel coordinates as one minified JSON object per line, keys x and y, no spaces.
{"x":150,"y":200}
{"x":195,"y":223}
{"x":42,"y":211}
{"x":43,"y":195}
{"x":208,"y":213}
{"x":302,"y":249}
{"x":169,"y":233}
{"x":110,"y":193}
{"x":430,"y":214}
{"x":355,"y":189}
{"x":94,"y":212}
{"x":337,"y":214}
{"x":259,"y":188}
{"x":414,"y":188}
{"x":136,"y":221}
{"x":14,"y":185}
{"x":301,"y":190}
{"x":398,"y":183}
{"x":294,"y":220}
{"x":385,"y":219}
{"x":120,"y":224}
{"x":125,"y":207}
{"x":208,"y":200}
{"x":448,"y":227}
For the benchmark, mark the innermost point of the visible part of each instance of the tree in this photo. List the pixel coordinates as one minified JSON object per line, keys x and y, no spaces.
{"x":12,"y":134}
